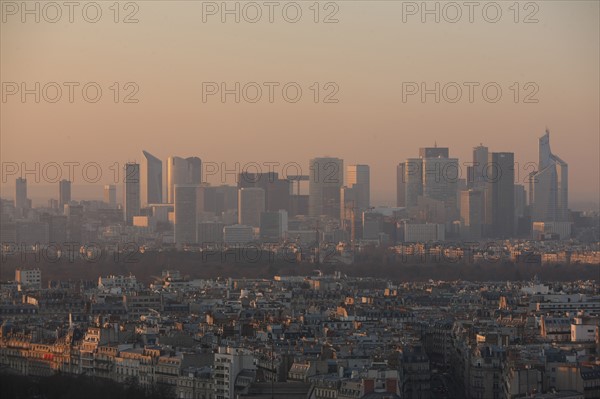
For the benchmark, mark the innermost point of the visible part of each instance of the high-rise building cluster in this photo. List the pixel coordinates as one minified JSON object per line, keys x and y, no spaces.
{"x":488,"y":203}
{"x":436,"y":201}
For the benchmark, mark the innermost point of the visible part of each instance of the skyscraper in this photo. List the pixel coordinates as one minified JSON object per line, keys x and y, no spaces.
{"x":217,"y":199}
{"x":326,"y":179}
{"x":251,"y":204}
{"x":151,"y":180}
{"x":522,"y":212}
{"x":520,"y":201}
{"x":210,"y":233}
{"x":277,"y":191}
{"x":358,"y":177}
{"x":400,"y":186}
{"x":413,"y":180}
{"x":273,"y":225}
{"x":186,"y":214}
{"x":21,"y":200}
{"x":182,"y":171}
{"x":550,"y":185}
{"x":480,"y":159}
{"x":472,"y":214}
{"x":500,"y":195}
{"x":131,"y":192}
{"x":110,"y":195}
{"x":433,"y":152}
{"x":64,"y":193}
{"x":176,"y":174}
{"x":440,"y":182}
{"x":372,"y":223}
{"x":434,"y":176}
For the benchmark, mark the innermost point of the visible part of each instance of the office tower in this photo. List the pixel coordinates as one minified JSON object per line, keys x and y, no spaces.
{"x":182,"y":171}
{"x":355,"y":199}
{"x":470,"y":176}
{"x":210,"y":233}
{"x":277,"y":191}
{"x":428,"y":210}
{"x":217,"y":199}
{"x":550,"y":185}
{"x":21,"y":200}
{"x":278,"y":195}
{"x":273,"y":225}
{"x":150,"y":180}
{"x":186,"y":214}
{"x":520,"y":200}
{"x":110,"y":195}
{"x":461,"y":185}
{"x":522,"y":214}
{"x":424,"y":232}
{"x":229,"y":195}
{"x":251,"y":203}
{"x":433,"y":152}
{"x":413,"y":180}
{"x":480,"y":159}
{"x":238,"y":234}
{"x":131,"y":192}
{"x":299,"y":204}
{"x":252,"y":179}
{"x":326,"y":179}
{"x":500,"y":195}
{"x":472,"y":214}
{"x":53,"y":203}
{"x":176,"y":174}
{"x":194,"y":170}
{"x":372,"y":223}
{"x":209,"y":200}
{"x":530,"y":190}
{"x":400,"y":186}
{"x":348,"y":205}
{"x":160,"y":212}
{"x":440,"y":182}
{"x":359,"y":178}
{"x":298,"y":196}
{"x":434,"y":176}
{"x":64,"y":193}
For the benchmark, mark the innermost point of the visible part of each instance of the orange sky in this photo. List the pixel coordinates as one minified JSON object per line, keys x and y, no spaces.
{"x":369,"y":53}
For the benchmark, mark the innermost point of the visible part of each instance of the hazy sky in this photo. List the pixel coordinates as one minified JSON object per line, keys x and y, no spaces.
{"x":373,"y":49}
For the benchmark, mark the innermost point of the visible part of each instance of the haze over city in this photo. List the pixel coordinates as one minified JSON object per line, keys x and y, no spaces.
{"x":368,"y":53}
{"x":310,"y":199}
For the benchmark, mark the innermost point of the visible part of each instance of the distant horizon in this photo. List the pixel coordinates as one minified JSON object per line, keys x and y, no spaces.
{"x":223,"y":174}
{"x":377,"y":83}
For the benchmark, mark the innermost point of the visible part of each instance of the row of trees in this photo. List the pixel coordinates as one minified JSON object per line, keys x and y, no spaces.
{"x":374,"y":263}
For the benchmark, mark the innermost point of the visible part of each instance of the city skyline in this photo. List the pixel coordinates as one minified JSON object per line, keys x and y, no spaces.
{"x":383,"y":197}
{"x":375,"y":52}
{"x":351,"y":199}
{"x":185,"y":170}
{"x":433,"y":200}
